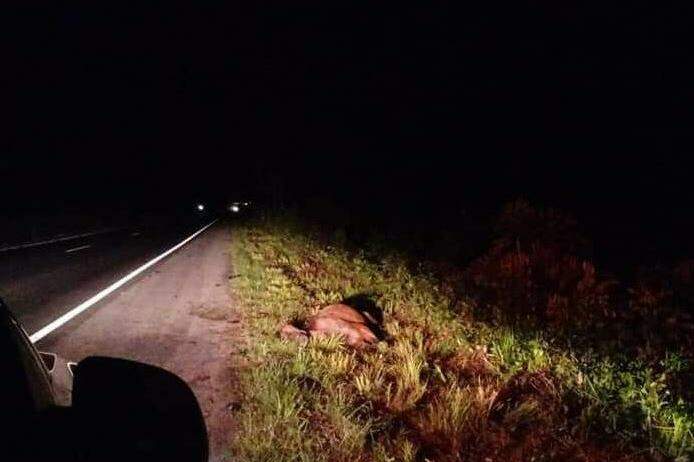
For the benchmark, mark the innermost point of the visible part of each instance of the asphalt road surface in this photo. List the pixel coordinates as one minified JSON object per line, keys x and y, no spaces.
{"x":178,"y":314}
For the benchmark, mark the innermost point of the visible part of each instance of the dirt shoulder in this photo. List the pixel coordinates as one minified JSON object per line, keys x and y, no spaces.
{"x":180,"y":316}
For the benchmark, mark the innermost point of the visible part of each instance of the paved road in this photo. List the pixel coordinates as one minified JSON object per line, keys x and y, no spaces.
{"x":41,"y":283}
{"x":178,"y":315}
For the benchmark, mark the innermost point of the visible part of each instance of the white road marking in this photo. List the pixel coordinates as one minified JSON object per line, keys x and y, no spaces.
{"x":58,"y":239}
{"x":82,"y":247}
{"x":41,"y":333}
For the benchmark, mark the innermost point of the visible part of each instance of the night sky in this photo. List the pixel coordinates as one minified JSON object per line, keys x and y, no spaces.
{"x":423,"y":108}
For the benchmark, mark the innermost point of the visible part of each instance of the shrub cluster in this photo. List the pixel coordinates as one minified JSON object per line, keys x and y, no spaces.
{"x":532,"y":273}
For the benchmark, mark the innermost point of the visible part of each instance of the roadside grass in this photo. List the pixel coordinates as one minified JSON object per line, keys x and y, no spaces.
{"x":440,"y":386}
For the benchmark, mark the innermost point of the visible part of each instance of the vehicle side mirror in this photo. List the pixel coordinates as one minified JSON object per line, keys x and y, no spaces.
{"x":131,"y":411}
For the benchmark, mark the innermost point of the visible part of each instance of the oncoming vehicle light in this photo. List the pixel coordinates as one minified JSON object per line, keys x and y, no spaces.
{"x":201,"y":207}
{"x":234,"y":208}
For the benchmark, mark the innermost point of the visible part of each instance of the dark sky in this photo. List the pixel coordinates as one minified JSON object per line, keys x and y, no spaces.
{"x":586,"y":108}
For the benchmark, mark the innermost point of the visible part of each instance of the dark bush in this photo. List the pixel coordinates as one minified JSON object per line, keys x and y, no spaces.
{"x":531,"y":272}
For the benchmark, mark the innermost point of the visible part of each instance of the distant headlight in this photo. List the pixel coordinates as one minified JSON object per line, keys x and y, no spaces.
{"x":201,"y":207}
{"x":234,"y":208}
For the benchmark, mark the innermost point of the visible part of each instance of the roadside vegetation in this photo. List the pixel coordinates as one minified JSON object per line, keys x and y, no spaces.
{"x":527,"y":353}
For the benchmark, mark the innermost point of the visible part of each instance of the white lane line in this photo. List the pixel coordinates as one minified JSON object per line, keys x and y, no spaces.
{"x":82,"y":247}
{"x":35,"y":337}
{"x":58,"y":239}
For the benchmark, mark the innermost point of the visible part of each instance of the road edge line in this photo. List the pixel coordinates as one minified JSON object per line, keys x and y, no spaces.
{"x":41,"y":333}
